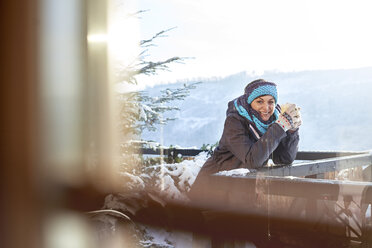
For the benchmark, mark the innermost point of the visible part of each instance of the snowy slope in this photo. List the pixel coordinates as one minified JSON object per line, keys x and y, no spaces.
{"x":336,"y":107}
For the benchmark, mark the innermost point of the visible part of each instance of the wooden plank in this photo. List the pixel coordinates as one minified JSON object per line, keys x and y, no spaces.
{"x":225,"y":191}
{"x":315,"y":155}
{"x":317,"y":167}
{"x":301,"y":155}
{"x":325,"y":161}
{"x":297,"y":187}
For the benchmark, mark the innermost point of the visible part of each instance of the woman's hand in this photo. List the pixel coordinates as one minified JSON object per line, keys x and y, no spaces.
{"x":289,"y":117}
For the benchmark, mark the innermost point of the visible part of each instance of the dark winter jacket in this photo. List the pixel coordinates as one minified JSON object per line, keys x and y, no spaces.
{"x":241,"y":147}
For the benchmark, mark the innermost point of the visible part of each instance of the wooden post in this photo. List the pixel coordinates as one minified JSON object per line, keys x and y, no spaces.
{"x":367,"y":173}
{"x":20,"y":200}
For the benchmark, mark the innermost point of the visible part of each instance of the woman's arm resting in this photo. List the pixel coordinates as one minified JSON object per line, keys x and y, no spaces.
{"x":286,"y":151}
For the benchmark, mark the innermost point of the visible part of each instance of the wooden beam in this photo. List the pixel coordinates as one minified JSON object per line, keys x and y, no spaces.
{"x":315,"y":155}
{"x":20,"y":198}
{"x":318,"y":167}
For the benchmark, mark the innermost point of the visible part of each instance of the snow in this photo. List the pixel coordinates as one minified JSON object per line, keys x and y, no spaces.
{"x":169,"y":187}
{"x":368,"y":212}
{"x":236,"y":172}
{"x":113,"y":202}
{"x":172,"y":183}
{"x":185,"y":172}
{"x":156,"y":237}
{"x":135,"y":181}
{"x":291,"y":177}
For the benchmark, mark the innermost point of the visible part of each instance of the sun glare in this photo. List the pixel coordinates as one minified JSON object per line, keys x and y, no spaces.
{"x":97,"y":38}
{"x":123,"y":33}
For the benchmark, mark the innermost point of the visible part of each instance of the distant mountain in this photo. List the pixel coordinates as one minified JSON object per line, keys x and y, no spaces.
{"x":336,"y":107}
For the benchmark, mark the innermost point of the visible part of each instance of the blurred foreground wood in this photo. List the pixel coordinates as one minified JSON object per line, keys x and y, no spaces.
{"x":20,"y":201}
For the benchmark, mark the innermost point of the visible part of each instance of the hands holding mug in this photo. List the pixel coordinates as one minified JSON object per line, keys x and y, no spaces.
{"x":289,"y":117}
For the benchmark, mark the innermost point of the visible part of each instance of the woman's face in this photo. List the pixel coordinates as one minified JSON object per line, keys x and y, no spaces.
{"x":265,"y":106}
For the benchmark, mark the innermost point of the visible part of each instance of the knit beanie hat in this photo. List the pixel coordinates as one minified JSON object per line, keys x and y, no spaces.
{"x":260,"y":87}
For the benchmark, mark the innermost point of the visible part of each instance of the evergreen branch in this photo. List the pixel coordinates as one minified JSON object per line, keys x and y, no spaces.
{"x":151,"y":67}
{"x":159,"y":34}
{"x":136,"y":14}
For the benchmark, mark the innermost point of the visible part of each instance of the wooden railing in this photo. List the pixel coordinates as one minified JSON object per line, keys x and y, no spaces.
{"x":307,"y":164}
{"x":236,"y":207}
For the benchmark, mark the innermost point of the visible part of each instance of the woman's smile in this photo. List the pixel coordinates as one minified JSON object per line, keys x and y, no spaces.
{"x":265,"y":116}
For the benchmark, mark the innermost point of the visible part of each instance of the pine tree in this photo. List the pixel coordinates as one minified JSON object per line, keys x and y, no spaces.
{"x":140,"y":111}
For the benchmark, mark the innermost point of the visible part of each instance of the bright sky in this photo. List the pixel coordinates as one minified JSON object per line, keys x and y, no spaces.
{"x":226,"y":37}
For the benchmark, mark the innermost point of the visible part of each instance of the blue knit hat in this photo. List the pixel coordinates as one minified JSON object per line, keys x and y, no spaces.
{"x":260,"y":87}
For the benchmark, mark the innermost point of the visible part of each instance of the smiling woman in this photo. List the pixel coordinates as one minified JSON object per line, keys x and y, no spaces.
{"x":256,"y":129}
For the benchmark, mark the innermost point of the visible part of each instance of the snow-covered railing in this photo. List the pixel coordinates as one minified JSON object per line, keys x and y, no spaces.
{"x":320,"y":163}
{"x":270,"y":212}
{"x":307,"y":163}
{"x":289,"y":206}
